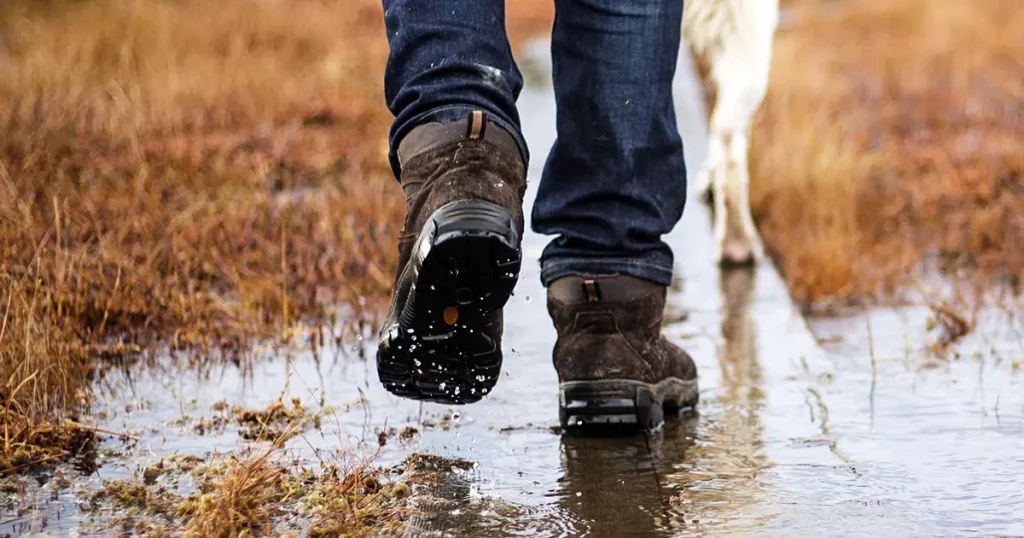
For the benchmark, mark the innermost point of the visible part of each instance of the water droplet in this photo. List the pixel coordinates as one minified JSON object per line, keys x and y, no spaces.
{"x":528,"y":299}
{"x":481,"y":378}
{"x":458,"y":390}
{"x":360,"y":338}
{"x":416,"y":362}
{"x":579,"y":493}
{"x":443,"y":385}
{"x":456,"y":416}
{"x":410,"y":330}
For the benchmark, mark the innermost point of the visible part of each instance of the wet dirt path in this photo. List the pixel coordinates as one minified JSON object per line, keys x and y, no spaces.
{"x":831,"y":432}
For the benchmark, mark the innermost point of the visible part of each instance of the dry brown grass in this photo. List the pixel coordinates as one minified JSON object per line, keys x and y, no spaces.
{"x":889,"y":144}
{"x":254,"y":494}
{"x":243,"y":503}
{"x":42,"y":369}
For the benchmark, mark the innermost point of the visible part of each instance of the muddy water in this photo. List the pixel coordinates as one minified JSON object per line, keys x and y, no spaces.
{"x":830,"y":429}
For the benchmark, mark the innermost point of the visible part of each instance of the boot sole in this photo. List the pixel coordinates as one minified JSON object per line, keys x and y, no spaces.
{"x":466,"y":260}
{"x":622,"y":403}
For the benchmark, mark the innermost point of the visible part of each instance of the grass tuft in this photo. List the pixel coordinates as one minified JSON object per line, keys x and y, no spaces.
{"x":243,"y":503}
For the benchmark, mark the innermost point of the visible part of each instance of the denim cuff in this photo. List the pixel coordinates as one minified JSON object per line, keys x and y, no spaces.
{"x":450,"y":114}
{"x":658,"y":272}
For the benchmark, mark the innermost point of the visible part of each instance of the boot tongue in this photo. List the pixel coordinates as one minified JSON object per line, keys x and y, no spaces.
{"x":594,"y":289}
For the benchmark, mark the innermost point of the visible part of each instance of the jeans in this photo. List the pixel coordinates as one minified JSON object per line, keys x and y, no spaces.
{"x":615,"y":181}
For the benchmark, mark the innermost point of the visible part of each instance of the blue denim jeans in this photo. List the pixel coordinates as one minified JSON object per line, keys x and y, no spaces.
{"x":615,"y":181}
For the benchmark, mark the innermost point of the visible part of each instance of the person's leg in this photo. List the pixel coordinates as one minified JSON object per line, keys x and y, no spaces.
{"x":457,"y":150}
{"x":449,"y":57}
{"x":615,"y":181}
{"x":614,"y":184}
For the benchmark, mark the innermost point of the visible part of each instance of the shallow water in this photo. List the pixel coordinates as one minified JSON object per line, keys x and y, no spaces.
{"x":800,"y":430}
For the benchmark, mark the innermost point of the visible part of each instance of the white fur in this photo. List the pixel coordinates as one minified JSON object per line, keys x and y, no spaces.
{"x":737,"y":36}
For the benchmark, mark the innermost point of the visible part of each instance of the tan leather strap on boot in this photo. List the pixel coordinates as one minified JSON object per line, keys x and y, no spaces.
{"x":474,"y":127}
{"x":587,"y":289}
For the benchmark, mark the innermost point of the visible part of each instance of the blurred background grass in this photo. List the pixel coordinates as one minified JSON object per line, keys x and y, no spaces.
{"x":889,"y":144}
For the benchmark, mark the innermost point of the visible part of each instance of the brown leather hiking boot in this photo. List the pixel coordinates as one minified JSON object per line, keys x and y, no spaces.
{"x":614,"y":366}
{"x":459,"y":259}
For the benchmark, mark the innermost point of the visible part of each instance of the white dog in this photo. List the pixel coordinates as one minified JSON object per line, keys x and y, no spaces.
{"x":736,"y":36}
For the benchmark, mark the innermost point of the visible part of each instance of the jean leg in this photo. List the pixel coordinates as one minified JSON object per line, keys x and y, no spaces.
{"x":449,"y":57}
{"x":615,"y":181}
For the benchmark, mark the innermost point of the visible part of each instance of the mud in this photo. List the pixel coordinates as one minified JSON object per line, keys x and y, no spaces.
{"x":843,"y":426}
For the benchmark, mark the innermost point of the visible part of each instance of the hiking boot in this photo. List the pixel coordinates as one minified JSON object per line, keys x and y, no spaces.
{"x":614,"y":366}
{"x":459,"y":259}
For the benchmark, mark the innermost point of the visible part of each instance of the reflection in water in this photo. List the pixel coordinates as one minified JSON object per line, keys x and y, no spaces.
{"x":697,"y":472}
{"x":719,"y":483}
{"x":613,"y":484}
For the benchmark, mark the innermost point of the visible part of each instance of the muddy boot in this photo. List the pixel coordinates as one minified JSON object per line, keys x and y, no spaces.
{"x":614,"y":366}
{"x":459,"y":258}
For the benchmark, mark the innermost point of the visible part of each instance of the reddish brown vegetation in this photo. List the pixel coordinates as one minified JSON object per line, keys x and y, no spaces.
{"x":890,"y":142}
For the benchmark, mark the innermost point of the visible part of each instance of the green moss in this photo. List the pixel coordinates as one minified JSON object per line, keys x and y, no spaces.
{"x":401,"y":490}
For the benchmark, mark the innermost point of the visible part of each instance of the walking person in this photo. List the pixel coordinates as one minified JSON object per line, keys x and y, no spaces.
{"x":613,"y":184}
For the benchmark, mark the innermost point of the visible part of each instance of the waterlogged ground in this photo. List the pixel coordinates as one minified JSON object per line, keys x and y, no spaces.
{"x":845,"y":427}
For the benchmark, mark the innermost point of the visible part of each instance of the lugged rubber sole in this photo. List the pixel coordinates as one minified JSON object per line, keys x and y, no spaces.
{"x":465,"y":264}
{"x":622,"y":403}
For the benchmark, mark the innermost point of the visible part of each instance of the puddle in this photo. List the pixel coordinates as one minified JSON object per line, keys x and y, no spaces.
{"x":854,"y":436}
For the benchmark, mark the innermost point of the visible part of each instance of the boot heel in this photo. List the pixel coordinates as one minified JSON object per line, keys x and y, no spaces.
{"x":466,"y":261}
{"x":622,"y":403}
{"x":608,"y":403}
{"x":475,"y":257}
